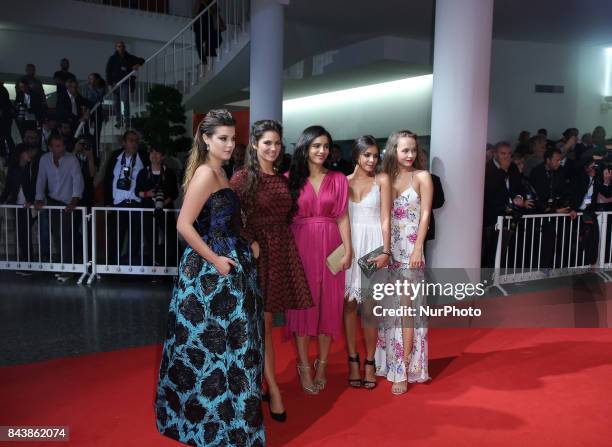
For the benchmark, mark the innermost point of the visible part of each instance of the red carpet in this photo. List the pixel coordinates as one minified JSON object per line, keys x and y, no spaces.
{"x":545,"y":387}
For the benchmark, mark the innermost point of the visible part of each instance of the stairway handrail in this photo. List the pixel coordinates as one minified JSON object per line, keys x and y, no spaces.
{"x":133,"y":72}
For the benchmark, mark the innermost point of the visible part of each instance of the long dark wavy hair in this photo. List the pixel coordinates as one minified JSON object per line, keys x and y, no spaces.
{"x":298,"y":171}
{"x":253,"y":170}
{"x":361,"y":144}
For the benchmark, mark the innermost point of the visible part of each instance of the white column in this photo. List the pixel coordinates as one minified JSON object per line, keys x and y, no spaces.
{"x":460,"y":107}
{"x":267,"y":35}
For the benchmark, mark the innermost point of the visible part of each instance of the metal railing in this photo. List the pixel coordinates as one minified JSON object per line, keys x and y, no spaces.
{"x":134,"y":241}
{"x":539,"y":246}
{"x":182,"y":63}
{"x":155,"y":6}
{"x":47,"y":240}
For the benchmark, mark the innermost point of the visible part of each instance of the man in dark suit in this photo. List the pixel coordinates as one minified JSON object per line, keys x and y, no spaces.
{"x":119,"y":65}
{"x":437,"y":202}
{"x":29,"y":108}
{"x":337,"y":163}
{"x":503,"y":194}
{"x":35,"y":84}
{"x":593,"y":181}
{"x":63,"y":75}
{"x":71,"y":105}
{"x":7,"y":113}
{"x":550,"y":183}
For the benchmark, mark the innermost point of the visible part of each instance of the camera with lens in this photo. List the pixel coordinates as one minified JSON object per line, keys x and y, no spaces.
{"x":601,"y":165}
{"x":556,"y":203}
{"x":125,"y":182}
{"x":158,"y":199}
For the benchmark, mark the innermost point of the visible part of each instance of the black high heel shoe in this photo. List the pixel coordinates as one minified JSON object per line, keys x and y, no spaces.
{"x":278,"y":417}
{"x":355,"y":383}
{"x":368,"y":384}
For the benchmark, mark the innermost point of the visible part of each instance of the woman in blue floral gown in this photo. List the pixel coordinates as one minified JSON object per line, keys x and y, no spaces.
{"x":209,"y":390}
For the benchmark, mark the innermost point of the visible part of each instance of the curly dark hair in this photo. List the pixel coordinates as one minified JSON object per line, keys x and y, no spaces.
{"x":299,"y":171}
{"x":253,"y":170}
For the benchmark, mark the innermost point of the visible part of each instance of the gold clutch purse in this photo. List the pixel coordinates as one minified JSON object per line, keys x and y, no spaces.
{"x":333,"y":260}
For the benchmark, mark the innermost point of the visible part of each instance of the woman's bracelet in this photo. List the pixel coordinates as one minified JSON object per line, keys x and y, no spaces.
{"x":385,"y":253}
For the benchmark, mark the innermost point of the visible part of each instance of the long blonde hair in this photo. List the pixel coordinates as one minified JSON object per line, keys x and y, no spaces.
{"x":199,"y":151}
{"x":390,"y":165}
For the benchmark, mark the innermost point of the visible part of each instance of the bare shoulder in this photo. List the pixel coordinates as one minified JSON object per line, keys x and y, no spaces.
{"x":383,"y":179}
{"x":204,"y":178}
{"x":423,"y":175}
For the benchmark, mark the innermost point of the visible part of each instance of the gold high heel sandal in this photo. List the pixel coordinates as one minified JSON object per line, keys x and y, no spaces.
{"x":320,"y":384}
{"x":304,"y":369}
{"x":399,"y":388}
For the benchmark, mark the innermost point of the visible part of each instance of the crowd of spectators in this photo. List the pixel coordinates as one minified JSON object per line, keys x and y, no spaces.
{"x":535,"y":175}
{"x":50,"y":172}
{"x":541,"y":176}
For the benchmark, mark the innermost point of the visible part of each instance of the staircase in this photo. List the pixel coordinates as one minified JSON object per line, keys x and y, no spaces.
{"x":178,"y":64}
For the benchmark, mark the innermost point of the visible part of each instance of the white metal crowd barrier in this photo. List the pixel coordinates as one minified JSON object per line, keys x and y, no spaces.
{"x":538,"y":246}
{"x":134,"y":241}
{"x":47,"y":240}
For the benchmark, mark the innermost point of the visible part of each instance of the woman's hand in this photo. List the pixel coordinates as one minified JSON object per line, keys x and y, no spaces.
{"x":381,"y":261}
{"x":255,"y":249}
{"x":346,"y":260}
{"x":224,"y":265}
{"x":416,"y":258}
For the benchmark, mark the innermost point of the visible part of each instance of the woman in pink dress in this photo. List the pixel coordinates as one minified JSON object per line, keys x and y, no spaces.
{"x":320,"y":225}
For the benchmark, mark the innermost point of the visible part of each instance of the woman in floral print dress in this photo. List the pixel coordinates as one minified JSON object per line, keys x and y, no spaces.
{"x":401,"y":349}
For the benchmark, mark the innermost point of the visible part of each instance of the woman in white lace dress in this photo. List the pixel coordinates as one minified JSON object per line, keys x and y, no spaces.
{"x":370,"y":215}
{"x":401,"y":348}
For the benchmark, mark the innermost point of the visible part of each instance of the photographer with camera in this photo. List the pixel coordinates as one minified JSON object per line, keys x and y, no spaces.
{"x":552,"y":196}
{"x":550,"y":184}
{"x":120,"y":176}
{"x":593,"y":183}
{"x":157,"y":186}
{"x":504,"y":195}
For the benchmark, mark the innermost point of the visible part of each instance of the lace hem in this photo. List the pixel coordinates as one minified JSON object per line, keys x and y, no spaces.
{"x":353,"y":294}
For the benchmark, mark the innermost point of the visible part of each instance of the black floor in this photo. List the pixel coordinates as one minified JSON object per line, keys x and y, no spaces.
{"x":41,"y":319}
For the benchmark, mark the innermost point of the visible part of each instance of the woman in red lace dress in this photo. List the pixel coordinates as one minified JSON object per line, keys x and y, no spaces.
{"x":266,"y":209}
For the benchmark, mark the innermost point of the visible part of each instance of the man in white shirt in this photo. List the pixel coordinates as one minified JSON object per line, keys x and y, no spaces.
{"x":60,"y":183}
{"x":120,"y":176}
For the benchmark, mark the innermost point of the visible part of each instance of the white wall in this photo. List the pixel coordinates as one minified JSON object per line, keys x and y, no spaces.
{"x":376,"y":110}
{"x":42,"y":32}
{"x":593,"y":85}
{"x":516,"y":68}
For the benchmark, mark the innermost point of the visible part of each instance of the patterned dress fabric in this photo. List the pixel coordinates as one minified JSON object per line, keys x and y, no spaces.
{"x":316,"y":233}
{"x":390,"y":347}
{"x":209,"y":389}
{"x":366,"y":235}
{"x":280,"y":273}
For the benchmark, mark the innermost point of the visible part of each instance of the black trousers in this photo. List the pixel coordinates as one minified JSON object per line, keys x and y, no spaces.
{"x":66,"y":234}
{"x":123,"y":236}
{"x":160,"y":237}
